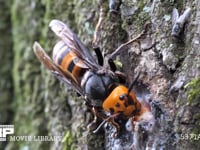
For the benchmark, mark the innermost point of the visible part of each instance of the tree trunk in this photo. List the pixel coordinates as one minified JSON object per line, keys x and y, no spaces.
{"x":38,"y":104}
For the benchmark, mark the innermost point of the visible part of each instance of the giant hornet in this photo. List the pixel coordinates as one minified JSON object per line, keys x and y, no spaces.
{"x":104,"y":94}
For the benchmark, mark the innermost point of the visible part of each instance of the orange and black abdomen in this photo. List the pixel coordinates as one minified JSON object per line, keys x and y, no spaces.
{"x":68,"y":60}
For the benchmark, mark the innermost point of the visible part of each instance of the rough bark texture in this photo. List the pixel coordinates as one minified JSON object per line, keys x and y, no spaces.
{"x":6,"y":88}
{"x":38,"y":104}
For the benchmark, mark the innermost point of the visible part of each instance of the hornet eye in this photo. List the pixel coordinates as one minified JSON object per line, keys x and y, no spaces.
{"x":122,"y":97}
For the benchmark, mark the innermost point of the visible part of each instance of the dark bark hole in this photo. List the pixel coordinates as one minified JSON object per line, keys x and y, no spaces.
{"x":141,"y":91}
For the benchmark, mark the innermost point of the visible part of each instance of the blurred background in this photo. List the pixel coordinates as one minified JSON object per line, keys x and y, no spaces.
{"x":30,"y":98}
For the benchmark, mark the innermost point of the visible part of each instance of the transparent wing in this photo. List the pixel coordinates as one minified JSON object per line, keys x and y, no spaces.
{"x":185,"y":16}
{"x":72,"y":41}
{"x":175,"y":16}
{"x":57,"y":71}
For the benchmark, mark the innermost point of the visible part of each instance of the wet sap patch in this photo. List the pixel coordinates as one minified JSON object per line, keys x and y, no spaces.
{"x":146,"y":134}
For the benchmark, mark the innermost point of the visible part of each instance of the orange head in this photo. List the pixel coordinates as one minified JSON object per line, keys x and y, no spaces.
{"x":120,"y":101}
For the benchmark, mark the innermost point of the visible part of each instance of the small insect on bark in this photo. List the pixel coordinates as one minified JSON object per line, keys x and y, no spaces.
{"x":179,"y":22}
{"x":114,"y":5}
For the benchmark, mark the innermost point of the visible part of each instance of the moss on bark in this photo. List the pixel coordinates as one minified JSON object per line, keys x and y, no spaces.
{"x":43,"y":106}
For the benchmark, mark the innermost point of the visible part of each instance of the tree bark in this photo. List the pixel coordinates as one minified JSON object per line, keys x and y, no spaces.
{"x":169,"y":73}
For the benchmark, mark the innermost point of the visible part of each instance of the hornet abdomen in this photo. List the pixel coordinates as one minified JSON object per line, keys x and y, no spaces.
{"x":68,"y":60}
